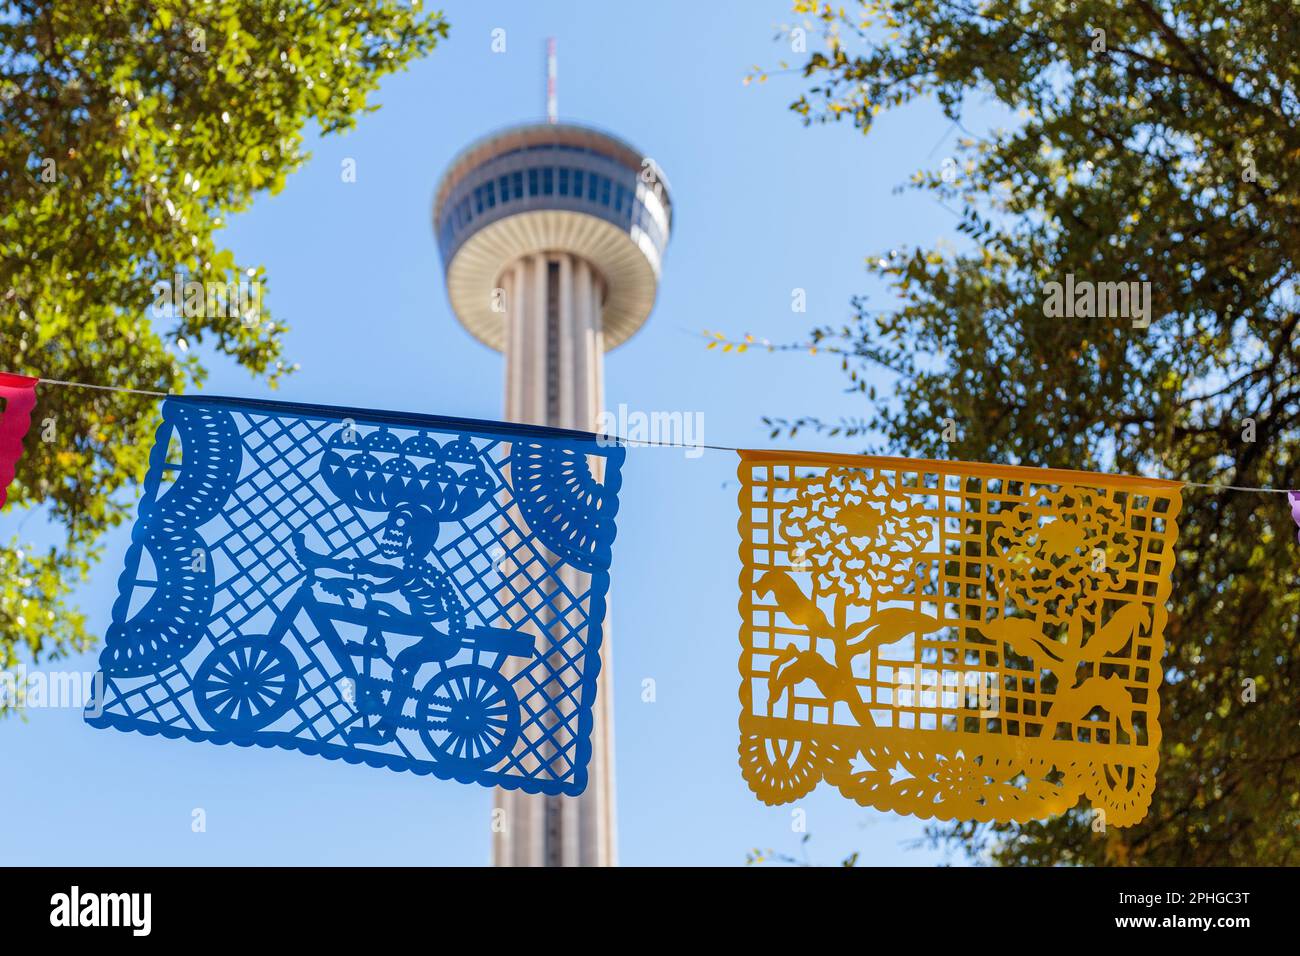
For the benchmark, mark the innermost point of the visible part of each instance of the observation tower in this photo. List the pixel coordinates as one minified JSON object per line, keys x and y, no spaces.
{"x":552,"y":238}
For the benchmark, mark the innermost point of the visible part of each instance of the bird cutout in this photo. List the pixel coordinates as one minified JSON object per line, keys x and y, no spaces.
{"x":956,"y":641}
{"x":1107,"y":693}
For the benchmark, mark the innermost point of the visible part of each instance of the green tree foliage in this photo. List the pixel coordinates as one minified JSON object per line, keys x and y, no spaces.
{"x":128,"y":132}
{"x":1164,"y":151}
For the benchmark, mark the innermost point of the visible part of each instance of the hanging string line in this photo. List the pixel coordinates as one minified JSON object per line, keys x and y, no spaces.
{"x":106,"y":388}
{"x":629,"y":442}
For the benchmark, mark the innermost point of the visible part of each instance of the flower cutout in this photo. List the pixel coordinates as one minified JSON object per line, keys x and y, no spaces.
{"x":958,"y":777}
{"x":861,"y":537}
{"x":1059,"y":552}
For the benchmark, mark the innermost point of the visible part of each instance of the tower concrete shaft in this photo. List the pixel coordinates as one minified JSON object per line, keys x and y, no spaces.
{"x":554,"y":353}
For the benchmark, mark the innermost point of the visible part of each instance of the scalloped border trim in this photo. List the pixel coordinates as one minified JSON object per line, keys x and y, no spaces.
{"x":394,"y":762}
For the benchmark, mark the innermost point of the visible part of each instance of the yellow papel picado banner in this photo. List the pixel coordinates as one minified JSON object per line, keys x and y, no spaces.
{"x":952,"y":640}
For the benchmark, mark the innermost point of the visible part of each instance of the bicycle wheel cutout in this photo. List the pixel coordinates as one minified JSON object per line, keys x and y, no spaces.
{"x":468,"y":715}
{"x":246,"y":685}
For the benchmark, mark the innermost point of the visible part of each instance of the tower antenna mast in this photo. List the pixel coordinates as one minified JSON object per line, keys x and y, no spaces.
{"x":552,"y":94}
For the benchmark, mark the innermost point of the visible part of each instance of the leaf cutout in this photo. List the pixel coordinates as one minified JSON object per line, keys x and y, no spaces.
{"x":889,"y":626}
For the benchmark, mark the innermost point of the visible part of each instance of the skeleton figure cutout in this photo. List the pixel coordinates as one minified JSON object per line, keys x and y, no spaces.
{"x":407,"y":537}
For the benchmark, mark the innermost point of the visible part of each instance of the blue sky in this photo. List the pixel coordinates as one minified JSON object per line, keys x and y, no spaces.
{"x":762,"y":206}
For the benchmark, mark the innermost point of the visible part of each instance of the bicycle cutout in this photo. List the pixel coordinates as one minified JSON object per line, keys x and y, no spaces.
{"x":466,"y":713}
